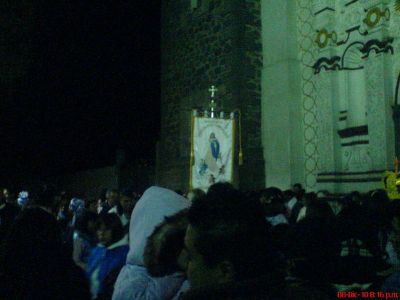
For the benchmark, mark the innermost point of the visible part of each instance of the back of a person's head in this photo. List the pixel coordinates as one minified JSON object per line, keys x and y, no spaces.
{"x":165,"y":244}
{"x":288,"y":194}
{"x":195,"y":194}
{"x":319,"y":209}
{"x":32,"y":249}
{"x":376,"y":199}
{"x":220,"y":188}
{"x":273,"y":193}
{"x":298,"y":186}
{"x":273,"y":201}
{"x":233,"y":228}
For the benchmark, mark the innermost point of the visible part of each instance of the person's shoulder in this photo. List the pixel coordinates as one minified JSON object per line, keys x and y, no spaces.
{"x":97,"y":250}
{"x":122,"y":248}
{"x":119,"y":252}
{"x":113,"y":210}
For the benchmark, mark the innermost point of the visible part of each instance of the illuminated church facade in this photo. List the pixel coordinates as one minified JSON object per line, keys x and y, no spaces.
{"x":315,"y":81}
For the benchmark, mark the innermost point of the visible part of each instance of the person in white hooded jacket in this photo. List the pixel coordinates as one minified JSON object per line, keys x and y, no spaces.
{"x":134,"y":281}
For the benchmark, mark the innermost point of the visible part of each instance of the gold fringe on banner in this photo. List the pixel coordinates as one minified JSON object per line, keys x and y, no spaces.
{"x":240,"y":137}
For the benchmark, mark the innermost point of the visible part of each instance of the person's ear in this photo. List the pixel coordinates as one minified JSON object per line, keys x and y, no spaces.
{"x":227,"y":271}
{"x":183,"y":260}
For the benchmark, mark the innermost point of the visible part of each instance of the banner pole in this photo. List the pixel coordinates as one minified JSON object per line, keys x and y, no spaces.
{"x":194,"y":113}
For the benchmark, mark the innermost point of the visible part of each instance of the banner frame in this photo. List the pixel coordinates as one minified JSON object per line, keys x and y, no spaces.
{"x":192,"y":154}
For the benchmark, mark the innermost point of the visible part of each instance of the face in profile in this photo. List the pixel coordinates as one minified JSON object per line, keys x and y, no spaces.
{"x":104,"y":235}
{"x":163,"y":249}
{"x":112,"y":198}
{"x":127,"y":204}
{"x":198,"y":272}
{"x":296,"y":189}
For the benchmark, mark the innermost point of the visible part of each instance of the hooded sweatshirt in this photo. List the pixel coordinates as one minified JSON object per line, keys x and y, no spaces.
{"x":133,"y":281}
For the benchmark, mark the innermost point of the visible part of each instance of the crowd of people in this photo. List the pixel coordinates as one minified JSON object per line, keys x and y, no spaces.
{"x":220,"y":244}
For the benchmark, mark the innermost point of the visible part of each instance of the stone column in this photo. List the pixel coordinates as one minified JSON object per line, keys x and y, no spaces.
{"x":396,"y":120}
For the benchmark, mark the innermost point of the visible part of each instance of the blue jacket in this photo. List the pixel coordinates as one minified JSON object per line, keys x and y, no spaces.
{"x":107,"y":260}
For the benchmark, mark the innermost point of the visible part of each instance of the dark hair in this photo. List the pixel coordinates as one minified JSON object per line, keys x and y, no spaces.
{"x":102,"y":194}
{"x":220,"y":188}
{"x":272,"y":200}
{"x":127,"y":193}
{"x":288,"y":194}
{"x":164,"y":261}
{"x":112,"y":190}
{"x":272,"y":193}
{"x":298,"y":185}
{"x":197,"y":193}
{"x":179,"y":192}
{"x":355,"y":194}
{"x":319,"y":209}
{"x":83,"y":219}
{"x":112,"y":222}
{"x":310,"y":197}
{"x":231,"y":227}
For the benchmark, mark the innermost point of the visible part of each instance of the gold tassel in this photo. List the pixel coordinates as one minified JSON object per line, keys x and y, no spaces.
{"x":240,"y":137}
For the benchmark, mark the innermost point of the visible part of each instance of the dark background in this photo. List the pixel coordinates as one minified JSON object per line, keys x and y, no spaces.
{"x":80,"y":80}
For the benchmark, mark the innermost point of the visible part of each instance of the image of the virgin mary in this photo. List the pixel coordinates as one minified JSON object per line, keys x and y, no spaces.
{"x":213,"y":153}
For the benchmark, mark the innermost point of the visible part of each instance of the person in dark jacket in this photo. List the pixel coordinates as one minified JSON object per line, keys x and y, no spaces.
{"x":111,"y":201}
{"x":229,"y":249}
{"x":33,"y":263}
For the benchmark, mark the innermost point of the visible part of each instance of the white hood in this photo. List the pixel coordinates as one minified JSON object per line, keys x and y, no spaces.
{"x":155,"y":204}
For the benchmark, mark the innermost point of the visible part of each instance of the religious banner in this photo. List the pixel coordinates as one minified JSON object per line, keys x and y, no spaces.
{"x":212,"y":151}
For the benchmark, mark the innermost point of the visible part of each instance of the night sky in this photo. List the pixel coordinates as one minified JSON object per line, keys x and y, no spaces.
{"x":91,"y":82}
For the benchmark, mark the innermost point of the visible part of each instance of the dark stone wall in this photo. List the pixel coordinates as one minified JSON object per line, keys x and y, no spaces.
{"x":219,"y":43}
{"x":251,"y":174}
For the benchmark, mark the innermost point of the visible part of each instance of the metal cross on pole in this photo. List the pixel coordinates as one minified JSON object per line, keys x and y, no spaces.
{"x":213,"y":104}
{"x":213,"y":90}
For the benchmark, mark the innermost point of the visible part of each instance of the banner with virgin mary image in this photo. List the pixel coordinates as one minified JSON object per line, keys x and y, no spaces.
{"x":212,"y":152}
